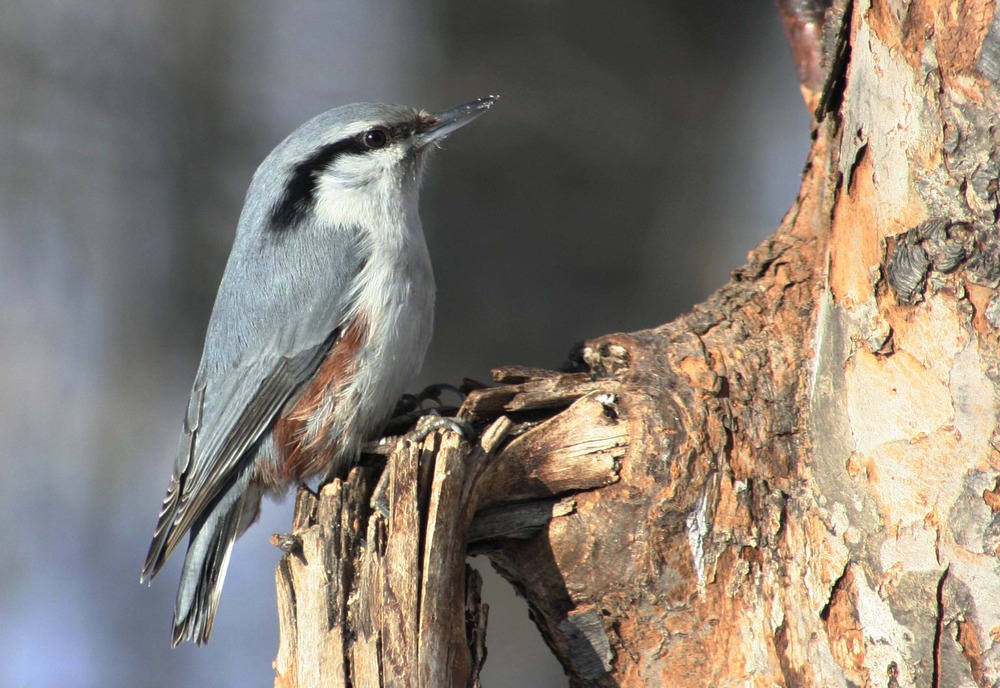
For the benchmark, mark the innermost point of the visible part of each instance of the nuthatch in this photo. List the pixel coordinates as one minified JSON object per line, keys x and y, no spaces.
{"x":324,"y":314}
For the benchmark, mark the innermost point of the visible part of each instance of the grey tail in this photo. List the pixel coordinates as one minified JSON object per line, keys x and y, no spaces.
{"x":207,"y":559}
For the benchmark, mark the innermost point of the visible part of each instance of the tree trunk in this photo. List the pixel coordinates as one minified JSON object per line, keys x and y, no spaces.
{"x":796,"y":484}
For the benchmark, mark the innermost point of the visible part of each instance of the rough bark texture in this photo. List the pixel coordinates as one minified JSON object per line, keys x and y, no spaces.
{"x":796,"y":484}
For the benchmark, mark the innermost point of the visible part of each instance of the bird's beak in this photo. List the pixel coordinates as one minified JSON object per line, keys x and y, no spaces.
{"x":442,"y":124}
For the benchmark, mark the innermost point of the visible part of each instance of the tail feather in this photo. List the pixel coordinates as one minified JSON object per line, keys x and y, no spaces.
{"x":207,"y":559}
{"x":158,"y":550}
{"x":166,"y":535}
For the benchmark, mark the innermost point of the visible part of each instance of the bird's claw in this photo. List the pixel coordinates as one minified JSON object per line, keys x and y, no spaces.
{"x":431,"y":421}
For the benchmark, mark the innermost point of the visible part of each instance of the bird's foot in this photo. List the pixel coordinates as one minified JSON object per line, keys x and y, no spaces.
{"x":432,"y":421}
{"x":427,"y":422}
{"x":413,"y":407}
{"x":289,"y":543}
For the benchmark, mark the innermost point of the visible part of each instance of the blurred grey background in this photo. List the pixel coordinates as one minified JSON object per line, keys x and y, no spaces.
{"x":639,"y":150}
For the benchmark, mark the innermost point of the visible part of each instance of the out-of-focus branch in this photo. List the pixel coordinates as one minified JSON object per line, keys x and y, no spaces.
{"x":803,"y":21}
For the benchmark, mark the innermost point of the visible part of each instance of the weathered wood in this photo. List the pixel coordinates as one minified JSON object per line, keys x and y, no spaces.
{"x":313,"y":646}
{"x":544,"y":393}
{"x":517,"y":522}
{"x":590,"y":651}
{"x":444,"y":656}
{"x":577,"y":450}
{"x":475,"y":623}
{"x":398,"y":599}
{"x":374,"y":589}
{"x":513,"y":375}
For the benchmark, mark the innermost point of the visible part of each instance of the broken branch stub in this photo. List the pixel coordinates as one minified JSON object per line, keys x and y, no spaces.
{"x":373,"y":589}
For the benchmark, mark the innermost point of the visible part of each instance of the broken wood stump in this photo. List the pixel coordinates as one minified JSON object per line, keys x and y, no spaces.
{"x":374,"y":589}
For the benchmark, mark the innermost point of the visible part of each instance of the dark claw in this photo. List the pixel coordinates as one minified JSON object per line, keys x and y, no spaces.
{"x":432,"y":422}
{"x":412,"y":408}
{"x":289,"y":543}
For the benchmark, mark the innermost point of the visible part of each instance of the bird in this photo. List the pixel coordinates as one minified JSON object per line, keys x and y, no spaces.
{"x":323,"y":316}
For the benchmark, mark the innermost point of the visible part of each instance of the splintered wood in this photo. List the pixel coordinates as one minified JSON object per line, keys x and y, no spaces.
{"x":374,"y":590}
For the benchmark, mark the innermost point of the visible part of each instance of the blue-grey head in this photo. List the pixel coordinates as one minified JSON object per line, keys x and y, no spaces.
{"x":342,"y":162}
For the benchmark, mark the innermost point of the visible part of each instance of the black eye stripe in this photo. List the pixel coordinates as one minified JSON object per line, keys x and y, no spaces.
{"x":300,"y":188}
{"x":298,"y":196}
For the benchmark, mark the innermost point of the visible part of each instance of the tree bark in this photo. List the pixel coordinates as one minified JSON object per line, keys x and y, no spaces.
{"x":795,"y":484}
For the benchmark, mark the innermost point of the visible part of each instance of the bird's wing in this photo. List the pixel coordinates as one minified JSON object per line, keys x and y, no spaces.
{"x":272,"y":326}
{"x":209,"y":460}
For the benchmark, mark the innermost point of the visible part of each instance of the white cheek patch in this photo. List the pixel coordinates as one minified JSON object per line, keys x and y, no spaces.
{"x":348,"y":188}
{"x":351,"y":170}
{"x":337,"y":203}
{"x":360,"y":169}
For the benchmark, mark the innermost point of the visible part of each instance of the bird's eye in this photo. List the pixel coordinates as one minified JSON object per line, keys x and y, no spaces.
{"x":375,"y":138}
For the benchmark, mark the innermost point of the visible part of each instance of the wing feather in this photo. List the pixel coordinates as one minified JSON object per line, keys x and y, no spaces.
{"x":280,"y":308}
{"x":196,"y":485}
